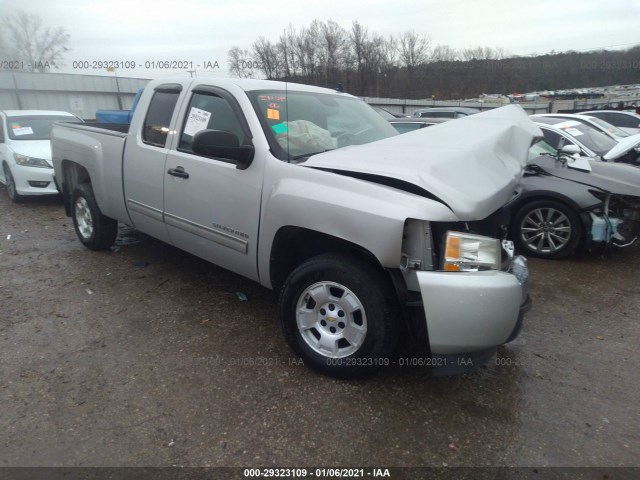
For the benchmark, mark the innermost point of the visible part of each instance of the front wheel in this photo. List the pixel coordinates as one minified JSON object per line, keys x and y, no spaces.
{"x":546,"y":229}
{"x":11,"y":185}
{"x":340,"y":316}
{"x":94,"y":230}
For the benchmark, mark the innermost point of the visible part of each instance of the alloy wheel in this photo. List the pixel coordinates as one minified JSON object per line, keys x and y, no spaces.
{"x":331,"y":319}
{"x":545,"y":230}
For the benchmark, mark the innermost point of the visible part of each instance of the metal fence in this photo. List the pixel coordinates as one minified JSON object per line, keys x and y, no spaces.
{"x":81,"y":95}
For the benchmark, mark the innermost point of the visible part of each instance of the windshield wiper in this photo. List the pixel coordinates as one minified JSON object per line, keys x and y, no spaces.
{"x":298,"y":157}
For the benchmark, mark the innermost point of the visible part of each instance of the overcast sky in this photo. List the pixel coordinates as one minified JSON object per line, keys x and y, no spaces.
{"x":201,"y":31}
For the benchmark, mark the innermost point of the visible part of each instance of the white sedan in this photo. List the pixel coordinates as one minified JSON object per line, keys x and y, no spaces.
{"x":25,"y":151}
{"x":627,"y":121}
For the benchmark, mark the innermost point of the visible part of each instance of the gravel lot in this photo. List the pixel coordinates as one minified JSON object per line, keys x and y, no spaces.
{"x":134,"y":357}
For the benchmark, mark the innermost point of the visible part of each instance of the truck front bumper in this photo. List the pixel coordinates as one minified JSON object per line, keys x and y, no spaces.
{"x":474,"y":311}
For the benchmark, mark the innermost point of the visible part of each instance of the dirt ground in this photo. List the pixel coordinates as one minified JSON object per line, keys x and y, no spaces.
{"x":139,"y":356}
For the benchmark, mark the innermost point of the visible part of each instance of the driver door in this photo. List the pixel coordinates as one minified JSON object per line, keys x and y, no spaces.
{"x":212,"y":208}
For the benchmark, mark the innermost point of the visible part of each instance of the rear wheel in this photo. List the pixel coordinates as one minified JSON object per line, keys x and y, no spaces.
{"x":94,"y":230}
{"x":546,"y":229}
{"x":340,"y":316}
{"x":11,"y":185}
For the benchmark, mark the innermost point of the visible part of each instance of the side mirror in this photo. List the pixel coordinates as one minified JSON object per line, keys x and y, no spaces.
{"x":225,"y":145}
{"x":570,"y":149}
{"x":580,"y":163}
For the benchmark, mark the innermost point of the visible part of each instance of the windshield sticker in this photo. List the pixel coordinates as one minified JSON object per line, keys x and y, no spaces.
{"x":573,"y":131}
{"x":279,"y":128}
{"x":269,"y":98}
{"x":568,"y":123}
{"x":273,"y":114}
{"x":198,"y":120}
{"x":22,"y":130}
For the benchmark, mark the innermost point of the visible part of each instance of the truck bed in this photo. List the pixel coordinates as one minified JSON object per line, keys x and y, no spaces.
{"x":120,"y":129}
{"x":99,"y":149}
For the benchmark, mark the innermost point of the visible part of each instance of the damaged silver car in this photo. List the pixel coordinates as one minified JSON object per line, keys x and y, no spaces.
{"x":567,"y":203}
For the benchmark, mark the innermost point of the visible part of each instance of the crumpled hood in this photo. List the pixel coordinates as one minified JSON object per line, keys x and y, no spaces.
{"x":472,"y":164}
{"x":619,"y":178}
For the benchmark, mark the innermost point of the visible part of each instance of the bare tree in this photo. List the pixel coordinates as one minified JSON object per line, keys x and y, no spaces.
{"x":240,"y":63}
{"x":388,"y":66}
{"x":359,"y":43}
{"x":444,"y":53}
{"x":484,"y":53}
{"x":305,"y":50}
{"x":331,"y":44}
{"x":414,"y":50}
{"x":501,"y":53}
{"x":26,"y":39}
{"x":265,"y":55}
{"x":286,"y":51}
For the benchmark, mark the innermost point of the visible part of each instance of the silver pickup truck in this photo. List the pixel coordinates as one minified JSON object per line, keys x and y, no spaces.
{"x":368,"y":236}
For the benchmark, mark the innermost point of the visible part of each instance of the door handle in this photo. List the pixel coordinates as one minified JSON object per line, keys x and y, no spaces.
{"x":178,"y":172}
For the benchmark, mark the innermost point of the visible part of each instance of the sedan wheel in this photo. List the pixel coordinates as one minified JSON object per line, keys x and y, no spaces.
{"x":11,"y":185}
{"x":547,"y":229}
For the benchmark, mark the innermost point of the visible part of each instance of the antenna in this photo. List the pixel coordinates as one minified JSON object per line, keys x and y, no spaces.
{"x":286,"y":97}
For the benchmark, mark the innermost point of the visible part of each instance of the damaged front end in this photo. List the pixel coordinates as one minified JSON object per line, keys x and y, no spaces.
{"x":616,"y":220}
{"x":468,"y":285}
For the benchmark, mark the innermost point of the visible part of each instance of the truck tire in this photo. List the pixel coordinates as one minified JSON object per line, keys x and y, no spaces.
{"x":546,"y":229}
{"x":11,"y":185}
{"x":340,"y":316}
{"x":94,"y":230}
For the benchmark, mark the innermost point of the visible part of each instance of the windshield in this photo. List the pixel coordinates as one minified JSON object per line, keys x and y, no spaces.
{"x":384,"y":113}
{"x":612,"y":129}
{"x":541,"y":148}
{"x":590,"y":137}
{"x":35,"y":127}
{"x":299,"y":124}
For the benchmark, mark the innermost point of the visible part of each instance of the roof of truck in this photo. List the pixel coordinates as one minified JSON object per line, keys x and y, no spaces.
{"x":246,"y":84}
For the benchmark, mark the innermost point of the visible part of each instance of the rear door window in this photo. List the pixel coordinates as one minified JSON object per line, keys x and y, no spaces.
{"x":156,"y":124}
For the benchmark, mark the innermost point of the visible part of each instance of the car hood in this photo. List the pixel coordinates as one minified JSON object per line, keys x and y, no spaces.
{"x":33,"y":148}
{"x":619,"y":178}
{"x":623,"y":146}
{"x":472,"y":164}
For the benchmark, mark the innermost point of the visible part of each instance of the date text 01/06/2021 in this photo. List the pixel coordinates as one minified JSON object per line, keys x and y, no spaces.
{"x":316,"y":473}
{"x":146,"y":64}
{"x":403,"y":361}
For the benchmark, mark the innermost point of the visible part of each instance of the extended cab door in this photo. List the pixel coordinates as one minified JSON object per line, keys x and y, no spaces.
{"x":144,"y":162}
{"x":212,"y":208}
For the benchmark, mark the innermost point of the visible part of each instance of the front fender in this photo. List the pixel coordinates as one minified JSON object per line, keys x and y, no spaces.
{"x":366,"y":214}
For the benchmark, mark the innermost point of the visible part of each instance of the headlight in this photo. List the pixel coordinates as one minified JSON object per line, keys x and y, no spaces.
{"x":464,"y":252}
{"x":30,"y":161}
